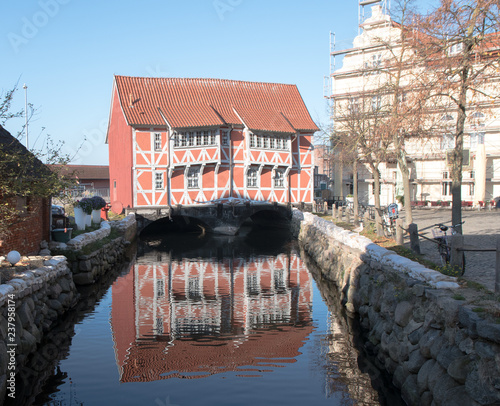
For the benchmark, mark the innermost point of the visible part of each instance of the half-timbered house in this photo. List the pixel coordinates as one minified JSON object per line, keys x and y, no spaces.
{"x":177,"y":141}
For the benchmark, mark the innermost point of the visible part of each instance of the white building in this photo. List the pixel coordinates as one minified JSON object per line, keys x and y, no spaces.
{"x":361,"y":72}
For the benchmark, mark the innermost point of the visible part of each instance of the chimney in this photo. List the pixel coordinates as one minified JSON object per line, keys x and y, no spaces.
{"x":131,"y":103}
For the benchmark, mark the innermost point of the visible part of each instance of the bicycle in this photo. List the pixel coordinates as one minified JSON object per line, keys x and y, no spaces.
{"x":390,"y":215}
{"x":441,"y":236}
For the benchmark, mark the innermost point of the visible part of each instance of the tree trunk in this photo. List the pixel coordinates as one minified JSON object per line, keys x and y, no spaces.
{"x":376,"y":195}
{"x":355,"y":190}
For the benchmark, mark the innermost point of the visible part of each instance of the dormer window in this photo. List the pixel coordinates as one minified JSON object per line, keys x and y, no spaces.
{"x":269,"y":141}
{"x":456,"y":48}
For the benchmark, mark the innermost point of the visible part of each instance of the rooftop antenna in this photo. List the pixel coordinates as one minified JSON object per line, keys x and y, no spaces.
{"x":26,"y":112}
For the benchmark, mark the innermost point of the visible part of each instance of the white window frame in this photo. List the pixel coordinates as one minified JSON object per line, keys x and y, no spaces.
{"x":376,"y":103}
{"x":224,"y":137}
{"x":252,"y":177}
{"x":193,"y":177}
{"x":158,"y":180}
{"x":447,"y":141}
{"x":279,"y":178}
{"x":157,"y":141}
{"x":476,"y":138}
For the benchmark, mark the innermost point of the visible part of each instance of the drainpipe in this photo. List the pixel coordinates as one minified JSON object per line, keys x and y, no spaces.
{"x":169,"y":160}
{"x":231,"y":161}
{"x":292,"y":140}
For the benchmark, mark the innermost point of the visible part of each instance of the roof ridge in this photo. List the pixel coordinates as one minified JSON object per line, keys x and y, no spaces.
{"x":204,"y":78}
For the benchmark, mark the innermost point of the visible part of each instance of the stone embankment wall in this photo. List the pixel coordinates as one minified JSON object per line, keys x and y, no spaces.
{"x":88,"y":267}
{"x":33,"y":301}
{"x":30,"y":305}
{"x":438,"y":350}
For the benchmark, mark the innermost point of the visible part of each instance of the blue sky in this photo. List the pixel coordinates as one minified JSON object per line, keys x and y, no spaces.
{"x":67,"y":51}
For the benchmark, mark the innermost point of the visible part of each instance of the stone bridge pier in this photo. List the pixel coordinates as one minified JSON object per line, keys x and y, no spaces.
{"x":219,"y":218}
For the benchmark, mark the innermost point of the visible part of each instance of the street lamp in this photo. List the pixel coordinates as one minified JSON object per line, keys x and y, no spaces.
{"x":26,"y":112}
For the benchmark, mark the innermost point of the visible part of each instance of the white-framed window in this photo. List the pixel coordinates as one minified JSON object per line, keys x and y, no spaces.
{"x":456,"y":48}
{"x":160,"y":288}
{"x":159,"y":325}
{"x":252,"y":177}
{"x":157,"y":142}
{"x":224,"y":137}
{"x":376,"y":103}
{"x":265,"y":141}
{"x":193,"y":288}
{"x":193,"y":177}
{"x":183,"y":139}
{"x":253,"y":140}
{"x":353,"y":105}
{"x":272,"y":142}
{"x":446,"y":186}
{"x":279,"y":178}
{"x":259,"y":141}
{"x":195,"y":138}
{"x":447,"y":141}
{"x":476,"y":139}
{"x":158,"y":180}
{"x":471,"y":189}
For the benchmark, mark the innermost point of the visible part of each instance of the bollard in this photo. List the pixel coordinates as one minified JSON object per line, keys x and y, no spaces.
{"x":348,"y":216}
{"x":399,"y":232}
{"x":497,"y":277}
{"x":414,"y":241}
{"x":325,"y":207}
{"x":457,"y":251}
{"x":334,"y":212}
{"x":342,"y":209}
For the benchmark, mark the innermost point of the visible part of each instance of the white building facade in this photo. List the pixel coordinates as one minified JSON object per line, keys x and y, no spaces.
{"x":362,"y":70}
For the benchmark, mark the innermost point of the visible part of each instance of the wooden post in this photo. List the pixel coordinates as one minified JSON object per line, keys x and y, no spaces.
{"x":457,"y":246}
{"x":399,"y":232}
{"x":497,"y":277}
{"x":414,"y":241}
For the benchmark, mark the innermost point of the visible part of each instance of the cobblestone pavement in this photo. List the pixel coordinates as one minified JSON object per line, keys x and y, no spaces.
{"x":480,"y":229}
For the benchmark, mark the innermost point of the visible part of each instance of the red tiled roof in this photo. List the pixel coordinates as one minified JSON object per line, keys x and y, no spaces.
{"x":187,"y":102}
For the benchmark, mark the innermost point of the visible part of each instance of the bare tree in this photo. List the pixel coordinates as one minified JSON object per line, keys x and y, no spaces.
{"x":458,"y":45}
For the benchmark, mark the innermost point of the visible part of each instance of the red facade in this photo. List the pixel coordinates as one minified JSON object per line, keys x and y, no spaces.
{"x":194,"y":141}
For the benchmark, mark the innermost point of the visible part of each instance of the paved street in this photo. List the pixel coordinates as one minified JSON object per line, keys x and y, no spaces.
{"x":480,"y":229}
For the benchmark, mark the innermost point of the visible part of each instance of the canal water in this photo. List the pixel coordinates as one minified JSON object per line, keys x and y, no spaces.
{"x":204,"y":320}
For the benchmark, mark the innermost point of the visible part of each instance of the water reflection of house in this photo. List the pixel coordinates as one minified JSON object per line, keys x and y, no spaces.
{"x":194,"y":318}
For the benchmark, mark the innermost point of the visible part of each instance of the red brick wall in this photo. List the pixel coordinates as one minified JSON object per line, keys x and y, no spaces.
{"x":27,"y":231}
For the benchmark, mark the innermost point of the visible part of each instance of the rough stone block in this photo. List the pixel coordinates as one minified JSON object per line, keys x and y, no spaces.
{"x":489,"y":331}
{"x":410,"y":392}
{"x":459,"y":368}
{"x":427,"y":340}
{"x":415,"y":361}
{"x":423,"y":375}
{"x":403,"y":313}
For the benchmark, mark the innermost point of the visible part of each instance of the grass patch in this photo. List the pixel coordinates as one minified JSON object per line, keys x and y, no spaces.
{"x":457,"y":296}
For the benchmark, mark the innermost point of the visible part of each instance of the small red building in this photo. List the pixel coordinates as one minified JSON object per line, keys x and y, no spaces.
{"x":31,"y":223}
{"x":192,"y":141}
